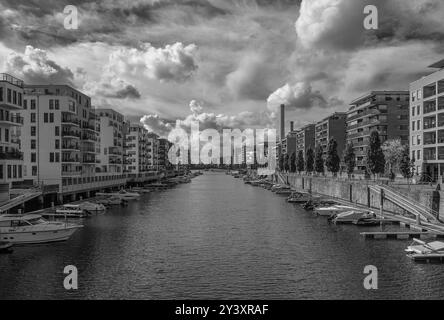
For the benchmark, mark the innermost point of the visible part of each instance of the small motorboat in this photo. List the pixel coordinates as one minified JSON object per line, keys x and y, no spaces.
{"x":68,"y":211}
{"x":367,"y":222}
{"x":6,"y":247}
{"x":332,"y":210}
{"x":350,"y":217}
{"x":299,"y":197}
{"x":423,"y":251}
{"x":92,"y":207}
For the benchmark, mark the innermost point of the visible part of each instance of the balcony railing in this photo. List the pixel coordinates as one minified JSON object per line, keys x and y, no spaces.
{"x":13,"y":80}
{"x":12,"y":118}
{"x":67,"y":159}
{"x":71,"y":134}
{"x":71,"y":146}
{"x":70,"y":120}
{"x":12,"y":155}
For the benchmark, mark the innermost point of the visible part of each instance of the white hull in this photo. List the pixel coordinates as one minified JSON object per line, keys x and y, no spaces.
{"x":31,"y":237}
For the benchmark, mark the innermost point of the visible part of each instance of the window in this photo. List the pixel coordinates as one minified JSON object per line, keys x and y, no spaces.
{"x":14,"y":170}
{"x":57,"y":157}
{"x":7,"y":135}
{"x":9,"y":171}
{"x":1,"y":171}
{"x":57,"y":105}
{"x":19,"y":99}
{"x":51,"y":104}
{"x":33,"y":117}
{"x":1,"y":99}
{"x":25,"y":104}
{"x":19,"y":167}
{"x":14,"y":98}
{"x":33,"y":157}
{"x":33,"y":131}
{"x":33,"y":144}
{"x":51,"y":117}
{"x":57,"y":131}
{"x":34,"y":170}
{"x":32,"y":104}
{"x":413,"y":125}
{"x":413,"y":111}
{"x":51,"y":157}
{"x":45,"y":117}
{"x":9,"y":97}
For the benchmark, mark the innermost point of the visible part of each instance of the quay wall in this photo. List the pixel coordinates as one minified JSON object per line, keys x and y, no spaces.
{"x":358,"y":191}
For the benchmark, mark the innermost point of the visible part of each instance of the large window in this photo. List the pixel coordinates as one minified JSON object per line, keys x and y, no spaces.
{"x":1,"y":93}
{"x":430,"y":137}
{"x":430,"y":122}
{"x":429,"y":106}
{"x":429,"y":153}
{"x":429,"y":90}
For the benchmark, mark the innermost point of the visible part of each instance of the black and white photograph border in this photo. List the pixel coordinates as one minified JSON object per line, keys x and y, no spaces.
{"x":244,"y":151}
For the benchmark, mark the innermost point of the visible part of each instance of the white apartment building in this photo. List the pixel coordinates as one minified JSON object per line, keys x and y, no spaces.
{"x":61,"y":140}
{"x":152,"y":149}
{"x":11,"y":157}
{"x":427,"y":123}
{"x":111,"y":152}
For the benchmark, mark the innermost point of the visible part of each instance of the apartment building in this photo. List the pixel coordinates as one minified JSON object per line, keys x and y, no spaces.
{"x":305,"y":139}
{"x":164,"y":147}
{"x":384,"y":111}
{"x":111,"y":153}
{"x":61,"y":139}
{"x":11,"y":157}
{"x":427,"y":123}
{"x":331,"y":127}
{"x":152,"y":150}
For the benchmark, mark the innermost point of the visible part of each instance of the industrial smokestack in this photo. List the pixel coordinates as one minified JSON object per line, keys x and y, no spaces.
{"x":282,"y":124}
{"x":291,"y":126}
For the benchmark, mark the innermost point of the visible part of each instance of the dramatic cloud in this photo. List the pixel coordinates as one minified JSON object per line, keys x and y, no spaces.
{"x":173,"y":63}
{"x":34,"y":67}
{"x":297,"y":96}
{"x":153,"y":123}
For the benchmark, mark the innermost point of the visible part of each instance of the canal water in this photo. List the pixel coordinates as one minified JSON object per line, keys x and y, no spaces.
{"x":216,"y":238}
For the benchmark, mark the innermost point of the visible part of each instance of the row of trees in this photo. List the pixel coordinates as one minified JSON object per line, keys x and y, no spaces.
{"x":390,"y":157}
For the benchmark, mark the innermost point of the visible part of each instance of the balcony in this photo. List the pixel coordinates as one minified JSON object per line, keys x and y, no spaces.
{"x":89,"y":127}
{"x":70,"y":173}
{"x":12,"y":120}
{"x":12,"y":80}
{"x":429,"y":91}
{"x":70,"y":160}
{"x":89,"y":138}
{"x":69,"y":120}
{"x":11,"y":155}
{"x":71,"y":134}
{"x":89,"y":161}
{"x":72,"y":146}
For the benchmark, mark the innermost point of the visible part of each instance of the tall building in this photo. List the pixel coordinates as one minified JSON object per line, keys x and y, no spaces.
{"x":331,"y":127}
{"x":386,"y":112}
{"x":11,"y":157}
{"x":305,"y":139}
{"x":164,"y":147}
{"x":111,"y":124}
{"x":61,"y":141}
{"x":427,"y":123}
{"x":152,"y":149}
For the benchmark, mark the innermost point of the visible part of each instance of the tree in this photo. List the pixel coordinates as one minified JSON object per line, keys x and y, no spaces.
{"x":393,"y":152}
{"x":349,"y":159}
{"x":281,"y":161}
{"x":375,"y":156}
{"x":309,"y":160}
{"x":300,"y":161}
{"x":319,"y":160}
{"x":406,"y":164}
{"x":332,"y":161}
{"x":287,"y":162}
{"x":293,"y":162}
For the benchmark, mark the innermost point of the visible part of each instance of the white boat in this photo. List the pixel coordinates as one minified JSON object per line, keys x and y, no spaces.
{"x":69,"y":211}
{"x":422,"y":251}
{"x":32,"y":228}
{"x":111,"y":201}
{"x":141,"y":190}
{"x":92,"y":207}
{"x":351,"y":216}
{"x":330,"y":210}
{"x":299,"y":197}
{"x":122,"y":194}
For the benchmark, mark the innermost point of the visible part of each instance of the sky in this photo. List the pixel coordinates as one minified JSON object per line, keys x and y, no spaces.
{"x":224,"y":63}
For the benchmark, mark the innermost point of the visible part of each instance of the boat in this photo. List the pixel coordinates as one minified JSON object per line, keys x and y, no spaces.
{"x":423,"y":251}
{"x":92,"y":207}
{"x":368,"y":222}
{"x":33,"y":228}
{"x":349,"y":217}
{"x":5,"y":247}
{"x":122,"y":194}
{"x":68,"y":211}
{"x":331,"y":210}
{"x":284,"y":192}
{"x":299,"y":197}
{"x":141,"y":190}
{"x":112,"y":201}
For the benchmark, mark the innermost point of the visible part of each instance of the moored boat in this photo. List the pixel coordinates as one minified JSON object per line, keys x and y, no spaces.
{"x":32,"y":228}
{"x":423,"y":251}
{"x":331,"y":210}
{"x":92,"y":207}
{"x":122,"y":194}
{"x":299,"y":197}
{"x":349,"y":217}
{"x":68,"y":211}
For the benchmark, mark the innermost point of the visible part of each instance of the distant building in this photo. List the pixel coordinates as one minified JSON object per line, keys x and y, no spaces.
{"x":427,"y":123}
{"x":331,"y":127}
{"x":386,"y":112}
{"x":164,"y":147}
{"x":305,"y":139}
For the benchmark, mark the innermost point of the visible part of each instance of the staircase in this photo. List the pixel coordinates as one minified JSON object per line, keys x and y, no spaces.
{"x":420,"y":211}
{"x":29,"y":195}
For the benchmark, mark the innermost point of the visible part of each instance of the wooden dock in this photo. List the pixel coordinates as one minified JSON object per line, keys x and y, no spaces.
{"x":400,"y":235}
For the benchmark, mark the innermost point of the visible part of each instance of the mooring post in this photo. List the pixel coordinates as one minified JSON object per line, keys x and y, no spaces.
{"x":381,"y":207}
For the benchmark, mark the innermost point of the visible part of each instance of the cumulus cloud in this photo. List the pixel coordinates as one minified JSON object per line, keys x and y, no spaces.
{"x":174,"y":62}
{"x":34,"y":67}
{"x":154,"y":123}
{"x":298,"y":96}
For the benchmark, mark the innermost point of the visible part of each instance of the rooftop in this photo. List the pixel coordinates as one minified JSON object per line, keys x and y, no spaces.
{"x":437,"y":65}
{"x":374,"y":93}
{"x":13,"y":80}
